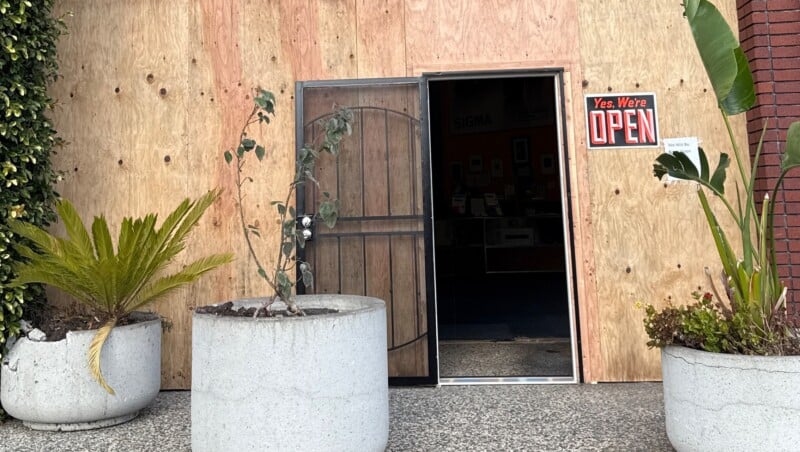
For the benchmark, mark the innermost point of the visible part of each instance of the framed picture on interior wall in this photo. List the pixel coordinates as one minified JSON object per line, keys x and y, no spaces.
{"x":475,"y":164}
{"x":519,"y":147}
{"x":548,"y":164}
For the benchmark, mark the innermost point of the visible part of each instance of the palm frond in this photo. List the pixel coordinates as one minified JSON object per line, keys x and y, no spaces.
{"x":104,"y":248}
{"x":165,"y":285}
{"x":79,"y":237}
{"x":193,"y":217}
{"x":95,"y":348}
{"x":38,"y":236}
{"x":86,"y":267}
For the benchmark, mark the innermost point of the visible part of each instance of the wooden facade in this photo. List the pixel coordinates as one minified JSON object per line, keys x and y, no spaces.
{"x":152,"y":92}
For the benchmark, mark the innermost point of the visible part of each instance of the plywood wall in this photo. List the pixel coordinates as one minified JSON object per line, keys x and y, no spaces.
{"x":651,"y":243}
{"x":152,"y":92}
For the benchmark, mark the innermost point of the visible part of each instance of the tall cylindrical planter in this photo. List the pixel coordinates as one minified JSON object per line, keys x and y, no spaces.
{"x":716,"y":401}
{"x":310,"y":383}
{"x":48,"y":385}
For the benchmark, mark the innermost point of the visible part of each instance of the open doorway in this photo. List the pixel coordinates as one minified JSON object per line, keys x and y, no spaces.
{"x":501,"y":253}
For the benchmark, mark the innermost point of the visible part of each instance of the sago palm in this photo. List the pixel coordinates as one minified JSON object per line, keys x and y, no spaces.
{"x":111,"y":284}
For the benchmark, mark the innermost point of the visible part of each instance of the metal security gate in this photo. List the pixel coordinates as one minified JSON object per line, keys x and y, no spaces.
{"x":381,"y":177}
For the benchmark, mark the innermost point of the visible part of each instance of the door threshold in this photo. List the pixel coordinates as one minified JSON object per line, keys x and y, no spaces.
{"x":459,"y":381}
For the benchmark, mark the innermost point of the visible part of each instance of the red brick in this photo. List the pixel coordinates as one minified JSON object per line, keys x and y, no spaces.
{"x":791,"y":184}
{"x":761,"y":64}
{"x":755,"y":29}
{"x":783,"y":28}
{"x":787,"y":87}
{"x":793,"y":221}
{"x":765,"y":99}
{"x":759,"y":52}
{"x":772,"y":147}
{"x":783,"y":16}
{"x":757,"y":5}
{"x":765,"y":111}
{"x":756,"y":121}
{"x":778,"y":5}
{"x":787,"y":63}
{"x":770,"y":135}
{"x":779,"y":215}
{"x":753,"y":41}
{"x":794,"y":259}
{"x":751,"y":18}
{"x":784,"y":123}
{"x":789,"y":110}
{"x":772,"y":172}
{"x":764,"y":85}
{"x":741,"y":4}
{"x":792,"y":208}
{"x":778,"y":75}
{"x":785,"y":51}
{"x":788,"y":99}
{"x":780,"y":40}
{"x":793,"y":197}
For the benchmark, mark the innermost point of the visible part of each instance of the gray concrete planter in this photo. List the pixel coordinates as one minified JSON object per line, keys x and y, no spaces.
{"x":314,"y":383}
{"x":48,"y":386}
{"x":715,"y":401}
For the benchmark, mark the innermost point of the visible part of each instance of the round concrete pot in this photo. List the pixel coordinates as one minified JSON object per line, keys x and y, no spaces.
{"x":312,"y":383}
{"x":48,"y":385}
{"x":716,"y":401}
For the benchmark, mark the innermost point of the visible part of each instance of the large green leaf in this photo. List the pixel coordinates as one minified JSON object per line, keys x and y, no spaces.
{"x":680,"y":166}
{"x":742,"y":95}
{"x":791,"y":152}
{"x":722,"y":56}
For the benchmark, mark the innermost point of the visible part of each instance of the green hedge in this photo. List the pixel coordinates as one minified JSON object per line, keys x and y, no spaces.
{"x":28,"y":36}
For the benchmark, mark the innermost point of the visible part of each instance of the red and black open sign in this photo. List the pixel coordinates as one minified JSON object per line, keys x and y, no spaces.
{"x":621,"y":120}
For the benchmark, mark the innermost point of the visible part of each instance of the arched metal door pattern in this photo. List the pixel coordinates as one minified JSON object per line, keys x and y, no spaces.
{"x":378,"y":247}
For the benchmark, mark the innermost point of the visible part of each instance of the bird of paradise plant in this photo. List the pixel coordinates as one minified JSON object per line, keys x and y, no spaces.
{"x":753,"y":289}
{"x":113,"y":284}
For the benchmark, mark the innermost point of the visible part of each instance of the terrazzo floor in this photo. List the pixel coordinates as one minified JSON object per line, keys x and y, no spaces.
{"x":518,"y":358}
{"x":608,"y":417}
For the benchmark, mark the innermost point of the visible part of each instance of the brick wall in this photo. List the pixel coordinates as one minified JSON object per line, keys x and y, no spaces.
{"x":770,"y":36}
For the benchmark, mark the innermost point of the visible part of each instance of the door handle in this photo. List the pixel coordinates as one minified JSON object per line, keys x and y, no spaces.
{"x":305,"y":224}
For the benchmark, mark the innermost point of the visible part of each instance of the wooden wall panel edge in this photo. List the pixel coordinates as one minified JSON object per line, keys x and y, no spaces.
{"x":588,"y":320}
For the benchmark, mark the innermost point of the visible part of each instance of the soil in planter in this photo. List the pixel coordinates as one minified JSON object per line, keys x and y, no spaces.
{"x":56,"y":323}
{"x":227,"y":310}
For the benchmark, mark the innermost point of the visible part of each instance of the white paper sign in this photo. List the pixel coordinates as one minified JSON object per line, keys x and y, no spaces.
{"x":687,"y":145}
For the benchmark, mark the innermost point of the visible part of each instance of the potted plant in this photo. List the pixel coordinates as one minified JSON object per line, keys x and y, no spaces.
{"x":285,"y":372}
{"x":729,"y":360}
{"x":54,"y":385}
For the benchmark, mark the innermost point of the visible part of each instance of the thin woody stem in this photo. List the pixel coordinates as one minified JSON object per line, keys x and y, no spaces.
{"x":240,"y":199}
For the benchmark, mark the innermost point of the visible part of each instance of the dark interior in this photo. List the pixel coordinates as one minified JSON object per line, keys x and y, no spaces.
{"x":500,"y":267}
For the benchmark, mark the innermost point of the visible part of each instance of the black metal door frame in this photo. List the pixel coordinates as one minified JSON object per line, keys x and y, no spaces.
{"x":558,"y":76}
